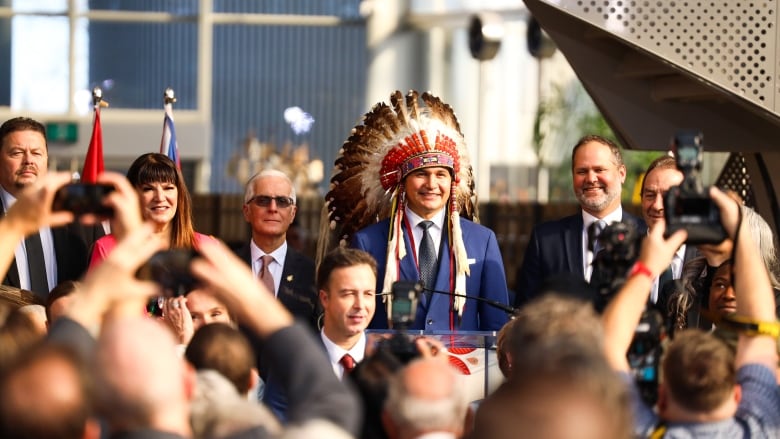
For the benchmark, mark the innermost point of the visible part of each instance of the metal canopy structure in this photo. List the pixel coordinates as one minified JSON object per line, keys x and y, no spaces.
{"x":654,"y":67}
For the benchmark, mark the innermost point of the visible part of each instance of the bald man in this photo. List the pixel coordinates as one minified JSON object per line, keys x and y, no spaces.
{"x":142,"y":384}
{"x":425,"y":398}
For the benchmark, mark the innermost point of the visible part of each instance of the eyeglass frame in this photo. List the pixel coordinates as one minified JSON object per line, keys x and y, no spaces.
{"x":265,"y":201}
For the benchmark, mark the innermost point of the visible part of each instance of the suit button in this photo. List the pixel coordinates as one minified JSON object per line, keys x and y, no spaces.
{"x":430,"y":321}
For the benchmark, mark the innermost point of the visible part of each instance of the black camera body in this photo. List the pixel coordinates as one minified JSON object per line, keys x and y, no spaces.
{"x":689,"y":206}
{"x":171,"y":270}
{"x":620,"y":243}
{"x":405,"y":299}
{"x":83,"y":198}
{"x":644,"y":354}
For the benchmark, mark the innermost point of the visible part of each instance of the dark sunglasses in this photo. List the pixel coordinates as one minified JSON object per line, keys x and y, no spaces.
{"x":265,"y":201}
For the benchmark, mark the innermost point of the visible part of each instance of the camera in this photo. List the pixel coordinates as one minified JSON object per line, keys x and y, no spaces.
{"x":620,"y":243}
{"x":83,"y":198}
{"x":405,"y":298}
{"x":688,"y":206}
{"x":171,"y":270}
{"x":644,"y":354}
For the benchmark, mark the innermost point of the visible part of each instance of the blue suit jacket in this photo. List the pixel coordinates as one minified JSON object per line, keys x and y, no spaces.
{"x":555,"y":247}
{"x":487,"y":279}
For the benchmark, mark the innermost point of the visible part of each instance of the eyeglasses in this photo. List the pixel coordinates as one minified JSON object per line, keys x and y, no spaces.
{"x":265,"y":201}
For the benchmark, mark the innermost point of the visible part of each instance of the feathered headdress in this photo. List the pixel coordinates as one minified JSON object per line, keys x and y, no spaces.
{"x":366,"y":187}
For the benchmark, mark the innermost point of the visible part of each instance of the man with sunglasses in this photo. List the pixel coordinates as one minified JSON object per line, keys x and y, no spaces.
{"x":269,"y":208}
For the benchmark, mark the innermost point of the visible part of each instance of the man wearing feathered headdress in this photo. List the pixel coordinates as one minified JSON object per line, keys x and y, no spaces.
{"x":407,"y":165}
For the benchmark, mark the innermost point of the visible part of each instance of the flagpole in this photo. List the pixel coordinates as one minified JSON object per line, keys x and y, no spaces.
{"x":168,"y":144}
{"x":93,"y":163}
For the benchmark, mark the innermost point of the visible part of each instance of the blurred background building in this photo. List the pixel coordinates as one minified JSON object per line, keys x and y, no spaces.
{"x":281,"y":82}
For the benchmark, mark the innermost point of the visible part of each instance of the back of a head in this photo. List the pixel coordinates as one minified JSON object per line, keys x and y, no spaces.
{"x":550,"y":316}
{"x":224,"y":349}
{"x":564,"y":389}
{"x":372,"y":378}
{"x":218,"y":410}
{"x":17,"y":334}
{"x":45,"y":394}
{"x":698,"y":370}
{"x":425,"y":396}
{"x":138,"y":374}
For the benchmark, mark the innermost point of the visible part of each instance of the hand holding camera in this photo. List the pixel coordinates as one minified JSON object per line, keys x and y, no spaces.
{"x":688,"y":206}
{"x":31,"y":210}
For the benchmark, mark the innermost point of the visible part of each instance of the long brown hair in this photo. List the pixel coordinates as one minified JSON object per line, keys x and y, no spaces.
{"x":158,"y":168}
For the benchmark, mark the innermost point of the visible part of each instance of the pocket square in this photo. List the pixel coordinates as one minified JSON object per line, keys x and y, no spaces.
{"x":471,"y":261}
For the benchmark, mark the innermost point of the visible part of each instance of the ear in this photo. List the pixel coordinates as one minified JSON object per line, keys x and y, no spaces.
{"x":622,"y":172}
{"x":737,"y":393}
{"x":323,"y":298}
{"x":254,"y":378}
{"x":293,"y":211}
{"x":247,"y":214}
{"x":91,"y":429}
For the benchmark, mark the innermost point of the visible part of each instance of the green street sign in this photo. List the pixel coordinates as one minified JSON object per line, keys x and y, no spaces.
{"x":62,"y":132}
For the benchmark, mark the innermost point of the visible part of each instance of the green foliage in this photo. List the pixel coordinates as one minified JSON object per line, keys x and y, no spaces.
{"x":589,"y":122}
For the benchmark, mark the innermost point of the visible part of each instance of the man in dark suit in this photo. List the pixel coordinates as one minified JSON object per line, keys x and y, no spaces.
{"x":561,"y":246}
{"x":661,"y":175}
{"x":56,"y":254}
{"x":269,"y":208}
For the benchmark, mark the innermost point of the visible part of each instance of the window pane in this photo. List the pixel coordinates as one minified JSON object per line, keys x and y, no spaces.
{"x":341,"y":8}
{"x":39,"y":79}
{"x":179,"y":7}
{"x":135,"y":62}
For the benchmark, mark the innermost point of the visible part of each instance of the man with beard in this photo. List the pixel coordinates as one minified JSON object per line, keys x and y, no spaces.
{"x":54,"y":254}
{"x":561,"y":246}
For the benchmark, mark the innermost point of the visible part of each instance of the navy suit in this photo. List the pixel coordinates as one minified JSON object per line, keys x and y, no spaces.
{"x":487,"y":279}
{"x":556,"y":247}
{"x":297,"y":291}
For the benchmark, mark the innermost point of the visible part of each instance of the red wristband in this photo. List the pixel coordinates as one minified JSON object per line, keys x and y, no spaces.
{"x":640,"y":268}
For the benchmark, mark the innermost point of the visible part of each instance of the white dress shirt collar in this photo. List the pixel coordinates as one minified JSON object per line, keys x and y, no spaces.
{"x":335,"y":352}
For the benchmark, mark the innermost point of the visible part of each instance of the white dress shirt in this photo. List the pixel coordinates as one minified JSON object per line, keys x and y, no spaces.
{"x":588,"y":219}
{"x":435,"y":231}
{"x":20,"y":253}
{"x":335,"y":352}
{"x":676,"y":265}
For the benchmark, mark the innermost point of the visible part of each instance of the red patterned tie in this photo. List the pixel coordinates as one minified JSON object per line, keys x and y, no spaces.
{"x":348,"y":363}
{"x":265,"y":274}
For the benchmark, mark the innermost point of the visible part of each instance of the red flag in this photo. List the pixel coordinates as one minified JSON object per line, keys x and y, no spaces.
{"x":93,"y":164}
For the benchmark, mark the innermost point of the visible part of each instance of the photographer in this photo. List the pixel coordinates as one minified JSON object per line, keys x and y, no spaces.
{"x":706,"y":391}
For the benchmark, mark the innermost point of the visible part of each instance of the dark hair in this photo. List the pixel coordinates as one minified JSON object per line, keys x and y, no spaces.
{"x":158,"y":168}
{"x":21,"y":124}
{"x":613,"y":147}
{"x":663,"y":162}
{"x":342,"y":257}
{"x":64,"y":288}
{"x":17,"y":334}
{"x":225,"y":349}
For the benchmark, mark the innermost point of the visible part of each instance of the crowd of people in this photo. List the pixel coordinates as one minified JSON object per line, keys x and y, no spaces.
{"x":267,"y":342}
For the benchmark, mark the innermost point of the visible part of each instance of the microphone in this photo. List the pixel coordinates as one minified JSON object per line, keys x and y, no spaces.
{"x":510,"y":310}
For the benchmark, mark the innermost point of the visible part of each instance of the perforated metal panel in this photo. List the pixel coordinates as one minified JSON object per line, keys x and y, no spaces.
{"x":735,"y":177}
{"x":729,"y":43}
